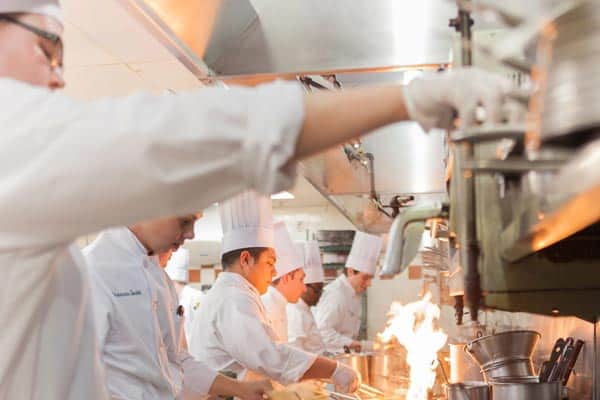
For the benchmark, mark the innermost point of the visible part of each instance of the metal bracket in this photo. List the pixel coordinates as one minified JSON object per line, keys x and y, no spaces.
{"x":511,"y":166}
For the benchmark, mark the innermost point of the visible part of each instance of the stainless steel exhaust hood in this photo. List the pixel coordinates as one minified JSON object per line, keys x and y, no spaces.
{"x":250,"y":37}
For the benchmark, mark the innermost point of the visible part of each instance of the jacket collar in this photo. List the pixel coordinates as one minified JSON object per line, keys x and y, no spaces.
{"x":126,"y":247}
{"x":345,"y":284}
{"x":277,"y":297}
{"x":234,"y":279}
{"x":302,"y":304}
{"x":136,"y":246}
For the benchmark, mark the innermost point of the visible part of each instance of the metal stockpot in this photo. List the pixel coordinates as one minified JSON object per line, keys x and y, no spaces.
{"x":468,"y":391}
{"x":388,"y":370}
{"x":462,"y":367}
{"x":526,"y":391}
{"x":359,"y":362}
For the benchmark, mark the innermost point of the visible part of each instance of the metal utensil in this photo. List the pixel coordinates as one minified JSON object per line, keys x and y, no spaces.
{"x":545,"y":371}
{"x":370,"y":389}
{"x":549,"y":366}
{"x":562,"y":364}
{"x":342,"y":396}
{"x":578,"y":346}
{"x":443,"y":371}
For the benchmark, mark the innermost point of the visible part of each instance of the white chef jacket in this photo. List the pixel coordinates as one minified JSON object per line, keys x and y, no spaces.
{"x":190,"y":299}
{"x":338,"y":314}
{"x":275,"y":307}
{"x":231,"y":333}
{"x":139,"y":329}
{"x":71,"y":168}
{"x":302,"y":328}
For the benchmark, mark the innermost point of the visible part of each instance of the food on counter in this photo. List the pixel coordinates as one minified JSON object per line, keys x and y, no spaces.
{"x":308,"y":390}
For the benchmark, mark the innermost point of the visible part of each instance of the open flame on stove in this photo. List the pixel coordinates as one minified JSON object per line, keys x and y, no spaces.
{"x":414,"y":326}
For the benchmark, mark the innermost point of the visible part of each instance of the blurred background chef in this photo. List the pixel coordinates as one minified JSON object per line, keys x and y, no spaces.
{"x":288,"y":283}
{"x":116,"y":167}
{"x":139,"y":321}
{"x":189,"y":297}
{"x":232,"y":331}
{"x":338,"y":313}
{"x":302,"y":327}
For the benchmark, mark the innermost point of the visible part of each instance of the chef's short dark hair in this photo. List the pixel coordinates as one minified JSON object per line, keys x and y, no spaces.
{"x":292,"y":273}
{"x":231,"y":257}
{"x":348,"y":269}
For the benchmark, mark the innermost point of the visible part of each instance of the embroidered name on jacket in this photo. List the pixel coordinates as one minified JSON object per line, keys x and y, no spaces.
{"x":131,"y":292}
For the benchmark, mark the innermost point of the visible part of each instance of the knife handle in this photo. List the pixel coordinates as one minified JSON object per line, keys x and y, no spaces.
{"x":557,"y":350}
{"x":545,"y":371}
{"x":559,"y":372}
{"x":572,"y":361}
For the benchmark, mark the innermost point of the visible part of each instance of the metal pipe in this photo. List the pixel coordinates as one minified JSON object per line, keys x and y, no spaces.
{"x":469,"y":248}
{"x":465,"y":21}
{"x":595,"y":388}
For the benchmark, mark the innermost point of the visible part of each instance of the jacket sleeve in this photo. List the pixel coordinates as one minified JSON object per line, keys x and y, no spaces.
{"x":197,"y":376}
{"x":70,"y":168}
{"x":255,"y":347}
{"x":329,"y":315}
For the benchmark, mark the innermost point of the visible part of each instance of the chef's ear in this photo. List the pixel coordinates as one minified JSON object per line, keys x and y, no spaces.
{"x":246,"y":259}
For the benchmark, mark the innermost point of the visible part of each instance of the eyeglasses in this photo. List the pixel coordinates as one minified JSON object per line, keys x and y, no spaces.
{"x":54,"y":54}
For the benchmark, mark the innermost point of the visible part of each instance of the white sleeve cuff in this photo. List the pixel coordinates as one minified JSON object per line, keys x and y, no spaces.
{"x":298,"y":362}
{"x":197,"y":376}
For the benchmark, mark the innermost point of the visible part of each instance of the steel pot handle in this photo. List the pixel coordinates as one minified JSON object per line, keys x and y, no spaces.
{"x":468,"y":348}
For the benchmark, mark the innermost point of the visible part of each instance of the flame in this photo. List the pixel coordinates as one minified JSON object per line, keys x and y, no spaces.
{"x":413,"y":325}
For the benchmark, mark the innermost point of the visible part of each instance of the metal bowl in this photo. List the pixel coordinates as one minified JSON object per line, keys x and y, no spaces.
{"x":526,"y":391}
{"x":493,"y":350}
{"x":515,"y":379}
{"x":468,"y":391}
{"x":509,"y":368}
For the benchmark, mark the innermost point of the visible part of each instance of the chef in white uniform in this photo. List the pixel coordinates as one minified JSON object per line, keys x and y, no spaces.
{"x":139,"y":321}
{"x":302,"y":327}
{"x":71,"y":168}
{"x":189,"y":297}
{"x":339,"y":311}
{"x":288,"y":283}
{"x":232,"y":331}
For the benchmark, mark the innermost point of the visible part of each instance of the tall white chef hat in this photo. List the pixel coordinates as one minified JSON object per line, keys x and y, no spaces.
{"x":177,"y":266}
{"x":312,"y":261}
{"x":288,"y":256}
{"x":247,"y":221}
{"x":364,"y":253}
{"x":45,"y":7}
